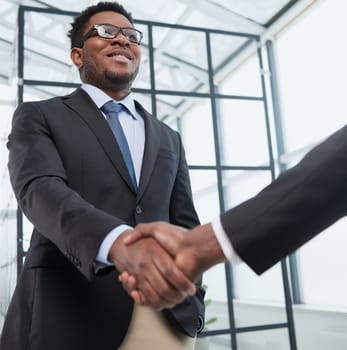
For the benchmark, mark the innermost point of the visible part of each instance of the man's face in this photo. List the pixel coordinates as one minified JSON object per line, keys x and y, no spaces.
{"x":108,"y":63}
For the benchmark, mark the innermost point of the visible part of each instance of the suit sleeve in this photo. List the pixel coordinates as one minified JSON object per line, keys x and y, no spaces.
{"x":182,"y":213}
{"x":294,"y":208}
{"x":41,"y":187}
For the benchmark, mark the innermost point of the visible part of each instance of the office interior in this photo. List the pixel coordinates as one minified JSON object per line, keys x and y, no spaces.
{"x":251,"y":86}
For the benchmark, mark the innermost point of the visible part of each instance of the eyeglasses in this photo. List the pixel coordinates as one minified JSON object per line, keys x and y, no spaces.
{"x":109,"y":31}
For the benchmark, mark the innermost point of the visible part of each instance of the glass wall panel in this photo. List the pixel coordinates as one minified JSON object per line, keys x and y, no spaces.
{"x":275,"y":339}
{"x":6,"y":70}
{"x":235,"y":65}
{"x":310,"y":112}
{"x":181,"y":67}
{"x":205,"y":193}
{"x":266,"y":288}
{"x":243,"y":132}
{"x":39,"y":92}
{"x":47,"y":48}
{"x":196,"y":130}
{"x":249,"y":288}
{"x":180,"y":60}
{"x":217,"y":342}
{"x":216,"y":299}
{"x":241,"y":185}
{"x":8,"y":205}
{"x":258,"y":299}
{"x":144,"y":99}
{"x":143,"y":79}
{"x":322,"y":281}
{"x":8,"y":257}
{"x":168,"y":108}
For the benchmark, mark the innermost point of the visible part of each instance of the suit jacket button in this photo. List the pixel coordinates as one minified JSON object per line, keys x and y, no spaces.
{"x":138,"y":210}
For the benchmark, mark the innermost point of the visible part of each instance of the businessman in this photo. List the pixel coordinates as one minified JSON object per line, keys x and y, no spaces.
{"x":294,"y":208}
{"x":85,"y":169}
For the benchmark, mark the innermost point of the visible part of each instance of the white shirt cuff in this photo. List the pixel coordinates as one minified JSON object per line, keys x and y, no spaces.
{"x":106,"y":244}
{"x":224,"y":241}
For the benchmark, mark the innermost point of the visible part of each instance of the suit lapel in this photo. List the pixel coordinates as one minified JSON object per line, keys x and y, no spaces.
{"x":152,"y":143}
{"x":80,"y":102}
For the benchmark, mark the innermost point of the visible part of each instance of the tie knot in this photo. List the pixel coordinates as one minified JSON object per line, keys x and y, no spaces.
{"x":111,"y":107}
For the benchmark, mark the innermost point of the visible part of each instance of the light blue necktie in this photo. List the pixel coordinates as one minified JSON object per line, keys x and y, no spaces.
{"x":111,"y":110}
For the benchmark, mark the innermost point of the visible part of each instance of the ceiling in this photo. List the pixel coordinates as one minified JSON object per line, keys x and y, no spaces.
{"x":47,"y":47}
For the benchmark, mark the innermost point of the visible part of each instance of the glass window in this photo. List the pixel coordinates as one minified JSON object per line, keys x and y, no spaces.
{"x":205,"y":193}
{"x":217,"y":342}
{"x":47,"y":48}
{"x":243,"y":132}
{"x":181,"y":68}
{"x":196,"y":130}
{"x":216,"y":299}
{"x":180,"y":61}
{"x":143,"y":79}
{"x":312,"y":70}
{"x":39,"y":92}
{"x":321,"y":279}
{"x":264,"y":340}
{"x":258,"y":299}
{"x":311,"y":62}
{"x":241,"y":185}
{"x":8,"y":206}
{"x":235,"y":73}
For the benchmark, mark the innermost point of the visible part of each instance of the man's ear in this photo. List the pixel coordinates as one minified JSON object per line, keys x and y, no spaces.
{"x":76,"y":55}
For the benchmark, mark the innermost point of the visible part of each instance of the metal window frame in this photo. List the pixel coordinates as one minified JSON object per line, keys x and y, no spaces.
{"x":213,"y":95}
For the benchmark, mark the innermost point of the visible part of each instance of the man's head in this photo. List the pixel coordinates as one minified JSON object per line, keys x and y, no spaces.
{"x":105,"y":47}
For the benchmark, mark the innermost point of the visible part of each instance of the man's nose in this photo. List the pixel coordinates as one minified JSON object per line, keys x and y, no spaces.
{"x":120,"y":39}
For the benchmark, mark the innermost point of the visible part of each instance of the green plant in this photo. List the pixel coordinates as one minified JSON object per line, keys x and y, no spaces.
{"x":207,"y":302}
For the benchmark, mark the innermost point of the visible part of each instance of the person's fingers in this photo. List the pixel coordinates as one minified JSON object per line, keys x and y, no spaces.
{"x":157,"y":290}
{"x":151,"y":294}
{"x":170,"y":237}
{"x":177,"y":285}
{"x":133,"y":237}
{"x":152,"y":272}
{"x":123,"y":277}
{"x":128,"y":280}
{"x":132,"y":282}
{"x":138,"y":297}
{"x":142,"y":231}
{"x":166,"y":295}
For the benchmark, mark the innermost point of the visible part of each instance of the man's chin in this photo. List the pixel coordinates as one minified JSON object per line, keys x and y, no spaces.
{"x":120,"y":79}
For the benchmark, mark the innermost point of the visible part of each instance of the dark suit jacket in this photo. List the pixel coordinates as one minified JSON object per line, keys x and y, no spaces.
{"x":294,"y":208}
{"x":70,"y":179}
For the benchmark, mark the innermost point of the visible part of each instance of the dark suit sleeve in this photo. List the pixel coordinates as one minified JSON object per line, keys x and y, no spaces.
{"x":298,"y":205}
{"x":41,"y":187}
{"x":182,"y":213}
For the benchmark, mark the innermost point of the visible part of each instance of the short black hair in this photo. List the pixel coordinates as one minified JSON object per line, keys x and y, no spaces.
{"x":80,"y":22}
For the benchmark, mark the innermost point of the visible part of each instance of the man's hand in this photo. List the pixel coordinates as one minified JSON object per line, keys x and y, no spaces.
{"x":194,"y":251}
{"x":157,"y":277}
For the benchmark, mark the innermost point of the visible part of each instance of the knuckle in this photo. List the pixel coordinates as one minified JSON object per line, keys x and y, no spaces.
{"x":169,"y":272}
{"x":166,"y":290}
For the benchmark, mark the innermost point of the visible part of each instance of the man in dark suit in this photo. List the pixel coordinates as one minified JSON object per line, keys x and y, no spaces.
{"x":293,"y":209}
{"x":71,"y":179}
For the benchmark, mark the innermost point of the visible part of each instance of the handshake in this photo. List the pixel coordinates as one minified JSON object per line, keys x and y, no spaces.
{"x":159,"y":262}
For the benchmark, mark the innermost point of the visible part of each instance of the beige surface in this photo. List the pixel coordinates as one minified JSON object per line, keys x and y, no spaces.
{"x":149,"y":330}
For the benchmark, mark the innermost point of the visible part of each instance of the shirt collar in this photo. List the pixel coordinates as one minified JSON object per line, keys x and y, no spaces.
{"x":100,"y":98}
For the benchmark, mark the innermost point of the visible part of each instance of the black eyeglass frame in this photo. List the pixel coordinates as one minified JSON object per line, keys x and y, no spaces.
{"x":99,"y":26}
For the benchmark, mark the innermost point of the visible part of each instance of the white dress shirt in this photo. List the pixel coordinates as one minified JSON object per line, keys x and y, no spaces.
{"x":134,"y":129}
{"x":224,"y":241}
{"x":133,"y":126}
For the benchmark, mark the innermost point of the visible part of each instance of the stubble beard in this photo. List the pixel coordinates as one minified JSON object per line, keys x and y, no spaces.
{"x":108,"y":79}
